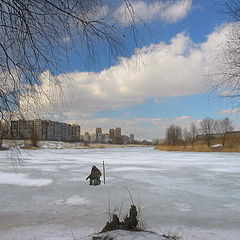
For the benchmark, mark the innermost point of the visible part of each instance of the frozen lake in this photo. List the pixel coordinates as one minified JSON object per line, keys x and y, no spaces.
{"x":195,"y":194}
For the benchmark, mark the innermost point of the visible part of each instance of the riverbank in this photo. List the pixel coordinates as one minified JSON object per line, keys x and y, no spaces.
{"x":63,"y":145}
{"x":199,"y":148}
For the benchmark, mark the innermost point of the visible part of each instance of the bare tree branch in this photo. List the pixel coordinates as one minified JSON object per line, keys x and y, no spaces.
{"x":32,"y":35}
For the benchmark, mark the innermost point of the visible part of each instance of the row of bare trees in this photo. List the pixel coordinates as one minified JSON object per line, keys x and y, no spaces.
{"x":207,"y":128}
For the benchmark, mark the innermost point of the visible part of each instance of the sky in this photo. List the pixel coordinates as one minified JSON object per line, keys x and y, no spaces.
{"x":159,"y":78}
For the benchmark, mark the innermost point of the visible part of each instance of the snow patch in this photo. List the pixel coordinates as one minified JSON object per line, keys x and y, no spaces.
{"x":47,"y":232}
{"x":42,"y":168}
{"x":227,"y":169}
{"x":182,"y":207}
{"x":59,"y":202}
{"x":21,"y":179}
{"x":216,"y":146}
{"x":76,"y":201}
{"x":129,"y":235}
{"x":132,"y":169}
{"x":75,"y":179}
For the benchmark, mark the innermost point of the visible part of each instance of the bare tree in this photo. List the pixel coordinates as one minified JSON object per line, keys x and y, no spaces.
{"x":228,"y":61}
{"x":207,"y":128}
{"x":193,"y":133}
{"x":173,"y":135}
{"x":223,"y":126}
{"x":186,"y":136}
{"x":35,"y":36}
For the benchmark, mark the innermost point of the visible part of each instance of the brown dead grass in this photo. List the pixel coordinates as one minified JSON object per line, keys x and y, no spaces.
{"x":30,"y":148}
{"x":198,"y":148}
{"x":232,"y":144}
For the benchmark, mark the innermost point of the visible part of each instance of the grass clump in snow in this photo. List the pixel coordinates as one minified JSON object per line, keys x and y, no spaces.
{"x":129,"y":223}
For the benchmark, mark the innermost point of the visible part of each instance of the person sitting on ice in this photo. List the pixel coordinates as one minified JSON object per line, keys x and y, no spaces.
{"x":94,"y":176}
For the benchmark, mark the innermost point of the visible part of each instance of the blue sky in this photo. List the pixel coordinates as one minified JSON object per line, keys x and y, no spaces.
{"x":158,"y":80}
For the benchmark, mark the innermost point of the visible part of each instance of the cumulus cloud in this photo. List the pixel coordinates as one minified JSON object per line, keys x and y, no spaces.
{"x":166,"y":11}
{"x":162,"y":70}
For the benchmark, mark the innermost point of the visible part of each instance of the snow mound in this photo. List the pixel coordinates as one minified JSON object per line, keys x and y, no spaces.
{"x":127,"y":235}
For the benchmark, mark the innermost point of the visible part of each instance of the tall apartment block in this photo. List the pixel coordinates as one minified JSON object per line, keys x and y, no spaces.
{"x":75,"y":132}
{"x":65,"y":132}
{"x":98,"y":134}
{"x":118,"y":136}
{"x":22,"y":129}
{"x":105,"y":138}
{"x":125,"y":139}
{"x":26,"y":128}
{"x":131,"y":139}
{"x":45,"y":130}
{"x":111,"y":135}
{"x":86,"y":137}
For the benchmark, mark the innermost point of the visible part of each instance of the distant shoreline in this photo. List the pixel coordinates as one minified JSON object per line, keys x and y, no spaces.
{"x":25,"y":144}
{"x":198,"y":148}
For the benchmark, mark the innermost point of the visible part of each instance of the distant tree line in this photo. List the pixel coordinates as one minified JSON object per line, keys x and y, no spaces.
{"x":207,"y":128}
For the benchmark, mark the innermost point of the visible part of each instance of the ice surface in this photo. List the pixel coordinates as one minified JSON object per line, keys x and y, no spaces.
{"x":49,"y":198}
{"x":22,"y":180}
{"x":76,"y":200}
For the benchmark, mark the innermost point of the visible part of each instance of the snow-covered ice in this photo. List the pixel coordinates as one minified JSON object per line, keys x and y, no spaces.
{"x":48,"y":197}
{"x":76,"y":200}
{"x":22,"y":180}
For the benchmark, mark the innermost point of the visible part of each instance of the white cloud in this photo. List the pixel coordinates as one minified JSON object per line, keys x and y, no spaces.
{"x":157,"y":71}
{"x":166,"y":11}
{"x":163,"y":70}
{"x":231,"y":111}
{"x":176,"y":11}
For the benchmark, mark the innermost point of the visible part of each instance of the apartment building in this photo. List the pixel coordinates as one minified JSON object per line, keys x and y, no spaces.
{"x":111,"y":135}
{"x":93,"y":137}
{"x":118,"y":136}
{"x":51,"y":131}
{"x":14,"y":130}
{"x":99,"y":135}
{"x":75,"y":132}
{"x":25,"y":129}
{"x":41,"y":127}
{"x":45,"y":130}
{"x":105,"y":138}
{"x":86,"y":137}
{"x":125,"y":139}
{"x":131,"y":138}
{"x":65,"y":132}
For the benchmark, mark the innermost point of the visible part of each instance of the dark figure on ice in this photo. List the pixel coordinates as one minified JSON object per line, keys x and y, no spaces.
{"x":94,"y":176}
